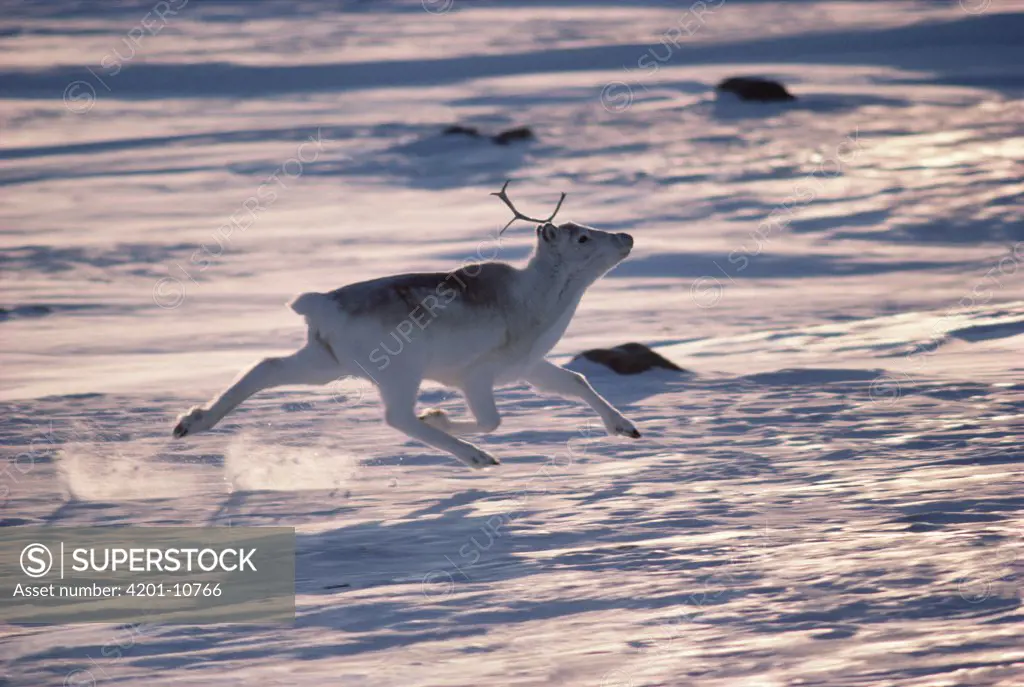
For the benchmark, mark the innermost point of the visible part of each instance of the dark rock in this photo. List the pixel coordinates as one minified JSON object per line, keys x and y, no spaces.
{"x":757,"y":89}
{"x":456,"y":129}
{"x":520,"y":133}
{"x":629,"y":359}
{"x":25,"y":311}
{"x":33,"y":310}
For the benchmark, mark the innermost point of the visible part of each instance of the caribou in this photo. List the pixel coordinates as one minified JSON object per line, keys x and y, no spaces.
{"x":472,"y":329}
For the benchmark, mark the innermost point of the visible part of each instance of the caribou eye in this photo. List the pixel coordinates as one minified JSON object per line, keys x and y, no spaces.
{"x":582,"y":239}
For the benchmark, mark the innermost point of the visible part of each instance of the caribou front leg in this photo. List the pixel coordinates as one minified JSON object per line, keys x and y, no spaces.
{"x":546,"y":376}
{"x":399,"y":397}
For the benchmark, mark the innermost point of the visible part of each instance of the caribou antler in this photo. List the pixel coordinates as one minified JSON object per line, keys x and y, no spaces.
{"x":518,"y":215}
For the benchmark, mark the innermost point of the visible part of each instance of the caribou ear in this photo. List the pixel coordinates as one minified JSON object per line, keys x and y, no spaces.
{"x":547,"y":232}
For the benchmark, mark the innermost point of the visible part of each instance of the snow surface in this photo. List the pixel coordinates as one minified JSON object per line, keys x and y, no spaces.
{"x":832,"y":497}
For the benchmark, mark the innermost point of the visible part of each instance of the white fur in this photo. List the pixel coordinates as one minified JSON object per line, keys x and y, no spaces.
{"x":471,"y":329}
